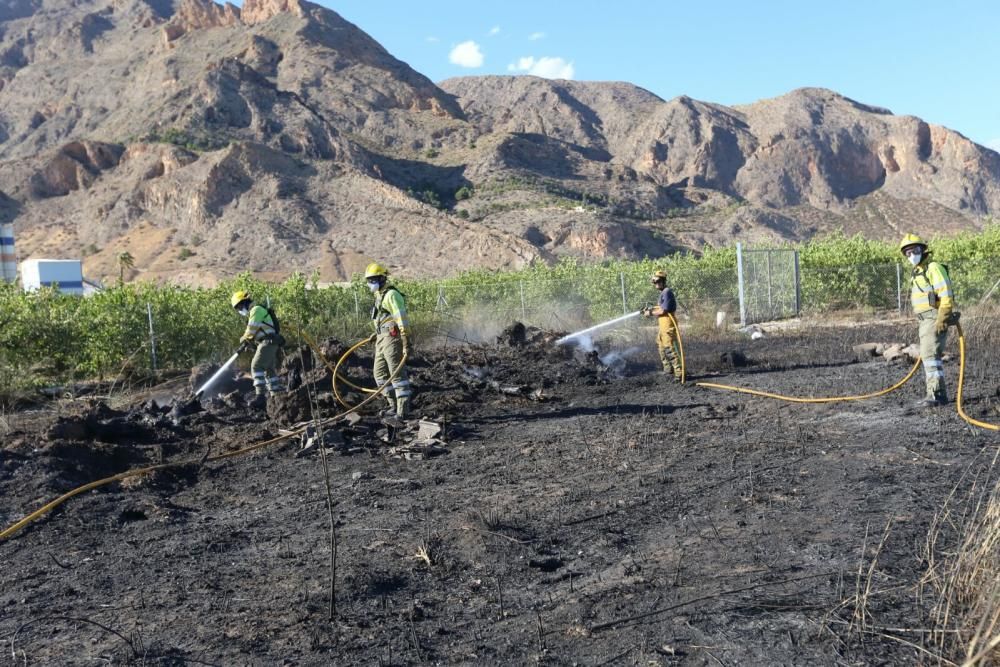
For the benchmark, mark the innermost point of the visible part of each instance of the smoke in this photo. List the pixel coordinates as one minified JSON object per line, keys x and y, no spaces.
{"x":619,"y":357}
{"x":584,"y":342}
{"x":481,"y":323}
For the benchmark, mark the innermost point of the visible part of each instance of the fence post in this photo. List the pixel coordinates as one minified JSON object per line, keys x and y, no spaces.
{"x":524,"y":314}
{"x":798,"y":285}
{"x":739,"y":282}
{"x":357,"y":305}
{"x":770,"y":300}
{"x":152,"y":335}
{"x":899,"y":287}
{"x":621,"y":277}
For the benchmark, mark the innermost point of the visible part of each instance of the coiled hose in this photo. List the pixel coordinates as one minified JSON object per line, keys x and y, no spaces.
{"x":48,"y":507}
{"x":335,"y":369}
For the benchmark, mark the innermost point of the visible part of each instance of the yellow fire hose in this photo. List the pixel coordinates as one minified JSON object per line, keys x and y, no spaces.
{"x":961,"y":381}
{"x":350,"y":351}
{"x":680,"y":348}
{"x":333,"y":369}
{"x":796,"y":399}
{"x":45,"y":509}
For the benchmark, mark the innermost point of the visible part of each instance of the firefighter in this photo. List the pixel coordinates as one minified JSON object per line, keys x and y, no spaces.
{"x":666,"y":336}
{"x":264,"y":332}
{"x":392,"y":341}
{"x":932,"y":299}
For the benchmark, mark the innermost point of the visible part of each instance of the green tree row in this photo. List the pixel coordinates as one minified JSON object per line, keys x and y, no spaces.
{"x":52,"y":335}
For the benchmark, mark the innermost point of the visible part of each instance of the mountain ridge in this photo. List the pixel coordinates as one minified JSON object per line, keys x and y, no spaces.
{"x":210,"y":139}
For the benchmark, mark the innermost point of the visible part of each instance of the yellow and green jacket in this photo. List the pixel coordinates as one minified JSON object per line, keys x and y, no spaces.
{"x":930,"y":287}
{"x":260,"y":326}
{"x":390,"y":311}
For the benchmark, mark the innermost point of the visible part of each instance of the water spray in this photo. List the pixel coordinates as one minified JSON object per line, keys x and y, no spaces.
{"x":212,"y":380}
{"x":585,"y":332}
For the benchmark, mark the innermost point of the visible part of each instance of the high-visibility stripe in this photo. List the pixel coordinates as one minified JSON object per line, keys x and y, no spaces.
{"x":7,"y":241}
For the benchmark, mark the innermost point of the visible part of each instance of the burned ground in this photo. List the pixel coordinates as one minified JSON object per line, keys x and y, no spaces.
{"x":575,"y":513}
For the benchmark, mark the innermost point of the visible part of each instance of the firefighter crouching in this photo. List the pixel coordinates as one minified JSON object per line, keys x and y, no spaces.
{"x":666,"y":336}
{"x":392,"y":341}
{"x":263,"y":331}
{"x":933,"y":303}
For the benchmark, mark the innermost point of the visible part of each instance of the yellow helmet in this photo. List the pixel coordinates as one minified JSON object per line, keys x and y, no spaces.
{"x":375,"y":270}
{"x":911,"y":239}
{"x":239,"y":297}
{"x":659,"y":275}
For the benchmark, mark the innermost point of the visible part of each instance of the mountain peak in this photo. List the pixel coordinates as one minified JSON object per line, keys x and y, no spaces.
{"x":259,"y":11}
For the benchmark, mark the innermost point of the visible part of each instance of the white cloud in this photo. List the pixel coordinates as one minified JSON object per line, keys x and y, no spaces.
{"x":495,"y":30}
{"x":466,"y":54}
{"x":432,"y":39}
{"x":545,"y":67}
{"x":535,"y":36}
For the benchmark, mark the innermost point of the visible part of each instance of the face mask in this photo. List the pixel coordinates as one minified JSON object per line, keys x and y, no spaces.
{"x":915,"y":258}
{"x":373,"y":286}
{"x":243,"y":311}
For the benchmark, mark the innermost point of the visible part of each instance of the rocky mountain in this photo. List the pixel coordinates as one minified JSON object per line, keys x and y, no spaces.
{"x":208,"y":139}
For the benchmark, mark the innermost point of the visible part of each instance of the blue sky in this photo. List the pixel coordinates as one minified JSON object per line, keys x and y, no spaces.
{"x":939,"y":61}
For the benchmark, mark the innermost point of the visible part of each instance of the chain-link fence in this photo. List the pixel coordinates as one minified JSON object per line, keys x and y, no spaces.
{"x":768,"y":283}
{"x":167,"y":327}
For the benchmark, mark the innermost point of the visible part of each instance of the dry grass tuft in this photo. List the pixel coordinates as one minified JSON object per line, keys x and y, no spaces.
{"x":963,"y":573}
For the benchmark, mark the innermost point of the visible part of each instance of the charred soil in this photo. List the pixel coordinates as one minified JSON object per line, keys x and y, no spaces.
{"x":569,"y":512}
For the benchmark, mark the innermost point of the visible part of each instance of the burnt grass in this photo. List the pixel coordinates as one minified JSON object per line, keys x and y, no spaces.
{"x":574,"y":514}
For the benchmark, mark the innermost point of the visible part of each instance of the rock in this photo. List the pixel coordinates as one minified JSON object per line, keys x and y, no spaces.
{"x":181,"y":408}
{"x":865,"y":350}
{"x":427,"y":429}
{"x":234,"y":400}
{"x":733,"y":359}
{"x":513,"y":336}
{"x":68,"y":428}
{"x":893,"y":353}
{"x":290,"y":407}
{"x":912,"y":352}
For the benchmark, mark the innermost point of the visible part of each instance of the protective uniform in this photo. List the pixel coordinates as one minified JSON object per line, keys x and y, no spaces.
{"x":392,"y":339}
{"x":666,"y":335}
{"x":933,"y":303}
{"x":262,"y":331}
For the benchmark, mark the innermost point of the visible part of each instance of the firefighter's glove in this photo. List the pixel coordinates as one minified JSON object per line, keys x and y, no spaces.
{"x":941,"y":324}
{"x":244,"y":346}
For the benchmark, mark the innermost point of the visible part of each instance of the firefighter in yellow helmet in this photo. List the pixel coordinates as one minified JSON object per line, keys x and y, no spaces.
{"x":392,"y":341}
{"x":666,"y":336}
{"x":264,"y":332}
{"x":933,"y":303}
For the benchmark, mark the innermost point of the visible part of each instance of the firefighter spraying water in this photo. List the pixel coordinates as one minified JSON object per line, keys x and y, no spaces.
{"x":215,"y":376}
{"x":577,"y":336}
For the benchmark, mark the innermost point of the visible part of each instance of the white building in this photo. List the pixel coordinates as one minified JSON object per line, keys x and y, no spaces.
{"x":67,"y":274}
